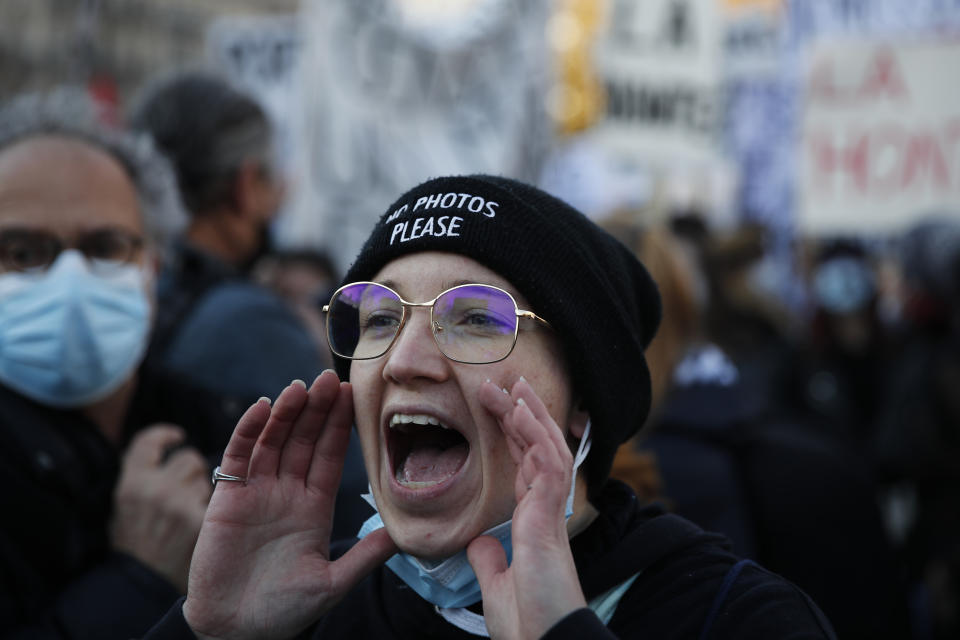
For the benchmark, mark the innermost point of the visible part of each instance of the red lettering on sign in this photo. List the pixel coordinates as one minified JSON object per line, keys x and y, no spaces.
{"x":924,"y":155}
{"x":829,"y":160}
{"x":885,"y":161}
{"x":881,"y":79}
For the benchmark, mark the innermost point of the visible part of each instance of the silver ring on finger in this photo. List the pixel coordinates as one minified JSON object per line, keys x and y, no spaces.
{"x":219,"y":475}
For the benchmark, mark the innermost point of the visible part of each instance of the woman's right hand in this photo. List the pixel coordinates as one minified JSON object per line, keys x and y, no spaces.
{"x":261,"y":566}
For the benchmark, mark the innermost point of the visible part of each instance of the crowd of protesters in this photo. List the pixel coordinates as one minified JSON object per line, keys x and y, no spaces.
{"x":822,"y":438}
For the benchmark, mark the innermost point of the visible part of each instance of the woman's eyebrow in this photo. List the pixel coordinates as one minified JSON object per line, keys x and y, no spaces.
{"x":449,"y":285}
{"x":444,"y":285}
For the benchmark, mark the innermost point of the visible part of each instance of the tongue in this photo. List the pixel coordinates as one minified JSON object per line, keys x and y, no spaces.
{"x":433,"y":464}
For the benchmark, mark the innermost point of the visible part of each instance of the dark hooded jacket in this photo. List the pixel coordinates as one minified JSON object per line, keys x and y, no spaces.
{"x":680,"y":583}
{"x":58,"y":576}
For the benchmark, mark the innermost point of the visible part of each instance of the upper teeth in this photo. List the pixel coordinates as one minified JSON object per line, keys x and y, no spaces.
{"x":405,"y":418}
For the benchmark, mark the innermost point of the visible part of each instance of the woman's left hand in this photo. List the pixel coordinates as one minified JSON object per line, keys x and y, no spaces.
{"x":540,"y":587}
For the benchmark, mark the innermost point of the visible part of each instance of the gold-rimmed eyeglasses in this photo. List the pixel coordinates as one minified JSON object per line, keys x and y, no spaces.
{"x":471,"y":323}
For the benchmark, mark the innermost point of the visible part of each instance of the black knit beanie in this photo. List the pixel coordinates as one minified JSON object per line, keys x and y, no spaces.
{"x":596,"y":295}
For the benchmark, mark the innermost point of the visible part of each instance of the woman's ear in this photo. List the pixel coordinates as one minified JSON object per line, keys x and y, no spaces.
{"x":578,"y":421}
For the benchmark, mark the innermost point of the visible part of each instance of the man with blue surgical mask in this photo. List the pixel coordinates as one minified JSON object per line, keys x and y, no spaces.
{"x":105,"y":481}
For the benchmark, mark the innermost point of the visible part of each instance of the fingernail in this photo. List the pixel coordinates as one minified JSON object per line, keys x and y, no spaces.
{"x":299,"y":382}
{"x":523,"y":379}
{"x":521,"y":403}
{"x":505,"y":391}
{"x":265,"y":399}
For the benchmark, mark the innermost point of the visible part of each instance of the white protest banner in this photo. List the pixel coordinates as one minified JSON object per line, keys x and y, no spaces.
{"x":661,"y":61}
{"x":396,"y":91}
{"x":259,"y":50}
{"x":880,"y":136}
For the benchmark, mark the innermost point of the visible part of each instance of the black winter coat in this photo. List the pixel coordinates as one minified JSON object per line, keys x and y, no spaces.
{"x":58,"y":576}
{"x":687,"y":585}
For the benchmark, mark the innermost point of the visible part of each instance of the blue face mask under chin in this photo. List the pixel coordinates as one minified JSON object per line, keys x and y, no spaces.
{"x":451,"y":582}
{"x":69,"y":337}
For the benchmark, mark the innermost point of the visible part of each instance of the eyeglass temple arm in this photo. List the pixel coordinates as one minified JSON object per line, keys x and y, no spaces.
{"x":530,"y":315}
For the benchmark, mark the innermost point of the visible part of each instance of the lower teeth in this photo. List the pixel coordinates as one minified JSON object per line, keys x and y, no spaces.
{"x":416,"y":484}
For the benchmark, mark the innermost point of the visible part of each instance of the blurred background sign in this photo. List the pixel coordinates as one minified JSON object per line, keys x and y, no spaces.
{"x":660,"y":104}
{"x":257,"y":49}
{"x":661,"y":63}
{"x":396,"y":91}
{"x":751,"y":38}
{"x":655,"y":146}
{"x":879,"y":145}
{"x":259,"y":52}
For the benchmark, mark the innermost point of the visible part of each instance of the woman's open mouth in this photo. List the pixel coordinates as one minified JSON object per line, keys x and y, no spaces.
{"x":424,"y":452}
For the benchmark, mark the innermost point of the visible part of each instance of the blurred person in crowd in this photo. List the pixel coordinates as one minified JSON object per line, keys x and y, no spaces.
{"x":494,"y":340}
{"x":671,"y":262}
{"x":220,"y":144}
{"x":215,"y":326}
{"x":305,"y":278}
{"x":917,"y":443}
{"x":848,"y":350}
{"x":733,"y":461}
{"x":104,"y":482}
{"x":742,"y":316}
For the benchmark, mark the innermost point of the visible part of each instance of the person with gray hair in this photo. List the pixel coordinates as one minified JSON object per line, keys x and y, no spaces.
{"x":103,"y":496}
{"x":69,"y":112}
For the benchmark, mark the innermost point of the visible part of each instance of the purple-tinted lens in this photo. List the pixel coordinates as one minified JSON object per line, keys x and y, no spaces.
{"x":475,"y":323}
{"x":362,"y":320}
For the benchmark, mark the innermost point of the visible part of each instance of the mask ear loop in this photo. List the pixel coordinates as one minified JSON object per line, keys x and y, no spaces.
{"x":368,"y":497}
{"x":582,"y":450}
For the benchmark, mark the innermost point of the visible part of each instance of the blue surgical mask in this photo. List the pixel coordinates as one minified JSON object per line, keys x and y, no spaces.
{"x":70,"y":336}
{"x":451,"y":582}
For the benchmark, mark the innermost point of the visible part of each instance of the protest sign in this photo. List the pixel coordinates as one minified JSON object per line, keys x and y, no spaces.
{"x":396,"y":91}
{"x":661,"y":62}
{"x":880,"y":137}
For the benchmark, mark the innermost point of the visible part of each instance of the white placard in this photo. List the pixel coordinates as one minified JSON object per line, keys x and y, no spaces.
{"x":661,"y":62}
{"x":880,"y":138}
{"x":393,"y":95}
{"x":260,"y":53}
